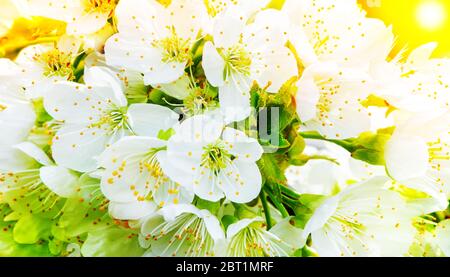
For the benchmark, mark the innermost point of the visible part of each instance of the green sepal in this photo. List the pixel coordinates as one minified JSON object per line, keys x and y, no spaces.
{"x":41,"y":114}
{"x":227,"y":220}
{"x":370,"y":146}
{"x":202,"y":204}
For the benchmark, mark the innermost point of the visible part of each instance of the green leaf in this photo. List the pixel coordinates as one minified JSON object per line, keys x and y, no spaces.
{"x":41,"y":114}
{"x":227,"y":220}
{"x":202,"y":204}
{"x":30,"y":229}
{"x":112,"y":242}
{"x":9,"y":247}
{"x":79,"y":218}
{"x":166,"y":135}
{"x":271,"y":170}
{"x":312,"y":201}
{"x":56,"y":247}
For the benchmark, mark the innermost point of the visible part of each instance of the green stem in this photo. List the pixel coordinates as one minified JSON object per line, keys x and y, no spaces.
{"x":289,"y":192}
{"x":266,"y":210}
{"x":291,"y":202}
{"x":196,"y":46}
{"x":280,"y":207}
{"x":315,"y":136}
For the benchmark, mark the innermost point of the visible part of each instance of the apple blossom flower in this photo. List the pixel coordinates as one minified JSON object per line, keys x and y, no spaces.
{"x":213,"y":160}
{"x":337,"y":31}
{"x":82,"y":16}
{"x":154,"y":39}
{"x":134,"y":181}
{"x":241,"y":54}
{"x":363,"y":220}
{"x":330,"y":99}
{"x":417,"y":155}
{"x":40,"y":185}
{"x":182,"y":231}
{"x":419,"y":84}
{"x":42,"y":65}
{"x":94,"y":116}
{"x":249,"y":238}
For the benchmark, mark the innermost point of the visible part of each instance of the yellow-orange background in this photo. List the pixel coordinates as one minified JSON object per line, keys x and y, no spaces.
{"x":409,"y":26}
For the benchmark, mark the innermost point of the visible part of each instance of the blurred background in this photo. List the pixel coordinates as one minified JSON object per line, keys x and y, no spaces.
{"x":415,"y":22}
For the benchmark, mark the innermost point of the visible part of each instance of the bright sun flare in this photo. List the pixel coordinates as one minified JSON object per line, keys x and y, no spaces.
{"x":431,"y":15}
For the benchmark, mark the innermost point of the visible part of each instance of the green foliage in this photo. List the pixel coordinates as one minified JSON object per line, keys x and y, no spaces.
{"x":30,"y":229}
{"x":113,"y":241}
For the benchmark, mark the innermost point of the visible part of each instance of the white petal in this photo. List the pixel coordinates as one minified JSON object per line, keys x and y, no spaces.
{"x":308,"y":96}
{"x":213,"y":225}
{"x":74,"y":103}
{"x":164,"y":73}
{"x":171,"y":212}
{"x":87,"y":23}
{"x":61,"y":10}
{"x":269,"y":28}
{"x":213,"y":64}
{"x":242,"y":147}
{"x":325,"y":245}
{"x":443,"y":236}
{"x":149,"y":120}
{"x":242,"y":182}
{"x":34,"y":152}
{"x":186,"y":16}
{"x":406,"y":157}
{"x":289,"y":234}
{"x":128,"y":147}
{"x":131,"y":211}
{"x":200,"y":129}
{"x":235,"y":228}
{"x":177,"y":171}
{"x":180,"y":89}
{"x":207,"y":185}
{"x":347,"y":123}
{"x":421,"y":54}
{"x":98,"y":76}
{"x":16,"y":121}
{"x":137,"y":16}
{"x":321,"y":216}
{"x":277,"y":66}
{"x":60,"y":180}
{"x":69,"y":44}
{"x":228,"y":28}
{"x":131,"y":53}
{"x":127,"y":182}
{"x":12,"y":159}
{"x":83,"y":144}
{"x":302,"y":45}
{"x":234,"y":99}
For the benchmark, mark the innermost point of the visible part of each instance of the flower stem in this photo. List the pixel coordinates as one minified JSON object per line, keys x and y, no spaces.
{"x":280,"y":207}
{"x":266,"y":210}
{"x":290,"y":192}
{"x":342,"y":143}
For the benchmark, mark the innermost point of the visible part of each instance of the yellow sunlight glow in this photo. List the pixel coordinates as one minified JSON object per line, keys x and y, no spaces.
{"x":431,"y":15}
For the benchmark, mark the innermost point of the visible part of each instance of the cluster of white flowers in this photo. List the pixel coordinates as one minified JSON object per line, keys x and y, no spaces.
{"x":222,"y":128}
